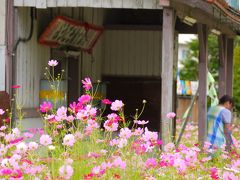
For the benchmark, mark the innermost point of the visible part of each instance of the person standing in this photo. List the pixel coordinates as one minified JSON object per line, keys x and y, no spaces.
{"x":219,"y":123}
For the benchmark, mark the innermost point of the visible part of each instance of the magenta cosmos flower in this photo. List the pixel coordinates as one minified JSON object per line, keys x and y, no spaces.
{"x":45,"y":107}
{"x":52,"y":63}
{"x":87,"y":84}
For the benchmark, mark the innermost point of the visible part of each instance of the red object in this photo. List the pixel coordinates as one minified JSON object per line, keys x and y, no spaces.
{"x":63,"y":31}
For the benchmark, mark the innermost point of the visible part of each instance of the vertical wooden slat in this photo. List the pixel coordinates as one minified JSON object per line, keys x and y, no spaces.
{"x":167,"y":72}
{"x":229,"y":79}
{"x":222,"y":65}
{"x":202,"y":99}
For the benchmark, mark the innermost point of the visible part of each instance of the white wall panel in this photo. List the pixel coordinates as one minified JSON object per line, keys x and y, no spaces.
{"x":30,"y":58}
{"x":132,"y":52}
{"x":146,"y":4}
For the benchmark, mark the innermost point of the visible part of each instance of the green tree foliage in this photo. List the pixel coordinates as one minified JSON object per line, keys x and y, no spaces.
{"x":236,"y":75}
{"x":190,"y":64}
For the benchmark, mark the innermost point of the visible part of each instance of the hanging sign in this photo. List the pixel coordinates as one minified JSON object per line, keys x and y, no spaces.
{"x":72,"y":34}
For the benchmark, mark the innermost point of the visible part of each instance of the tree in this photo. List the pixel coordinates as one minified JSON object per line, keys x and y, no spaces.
{"x":190,"y":64}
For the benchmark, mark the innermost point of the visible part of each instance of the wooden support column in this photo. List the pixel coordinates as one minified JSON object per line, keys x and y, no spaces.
{"x":222,"y":65}
{"x":167,"y":73}
{"x":229,"y":78}
{"x":202,"y":99}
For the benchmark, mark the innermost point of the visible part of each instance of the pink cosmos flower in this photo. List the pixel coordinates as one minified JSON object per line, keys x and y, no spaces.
{"x":68,"y":140}
{"x":171,"y":115}
{"x":117,"y":105}
{"x":2,"y":111}
{"x":16,"y":86}
{"x":229,"y":176}
{"x":53,"y":63}
{"x":110,"y":125}
{"x":17,"y":174}
{"x":5,"y":172}
{"x":149,"y":135}
{"x":141,"y":122}
{"x":118,"y":162}
{"x":87,"y":84}
{"x":150,"y":163}
{"x":106,"y":101}
{"x":45,"y":107}
{"x":66,"y":171}
{"x":33,"y":146}
{"x":45,"y":140}
{"x":214,"y":173}
{"x":125,"y":133}
{"x":75,"y":107}
{"x":113,"y":117}
{"x":28,"y":135}
{"x":84,"y":99}
{"x":21,"y":147}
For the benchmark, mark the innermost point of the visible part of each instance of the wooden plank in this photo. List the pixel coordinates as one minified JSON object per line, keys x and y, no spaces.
{"x":202,"y":98}
{"x":31,"y":3}
{"x":61,"y":3}
{"x":229,"y":79}
{"x":51,"y":3}
{"x":222,"y":65}
{"x":41,"y":4}
{"x":167,"y":73}
{"x":18,"y":2}
{"x":72,"y":3}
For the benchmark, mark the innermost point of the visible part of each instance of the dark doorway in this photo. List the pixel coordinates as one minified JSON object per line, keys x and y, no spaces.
{"x":132,"y":91}
{"x":73,"y":79}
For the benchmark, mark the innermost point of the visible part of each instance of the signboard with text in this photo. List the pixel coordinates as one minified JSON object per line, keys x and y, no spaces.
{"x":66,"y":32}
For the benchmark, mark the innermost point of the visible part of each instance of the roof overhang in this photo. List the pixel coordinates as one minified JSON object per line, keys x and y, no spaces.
{"x":130,"y":4}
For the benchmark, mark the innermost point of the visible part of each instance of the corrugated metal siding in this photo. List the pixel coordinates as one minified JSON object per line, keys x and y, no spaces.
{"x":140,"y":4}
{"x":29,"y":58}
{"x":132,"y":52}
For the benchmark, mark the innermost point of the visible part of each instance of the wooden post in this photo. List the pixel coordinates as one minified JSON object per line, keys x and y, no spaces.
{"x":202,"y":100}
{"x":222,"y":65}
{"x":229,"y":78}
{"x":167,"y":73}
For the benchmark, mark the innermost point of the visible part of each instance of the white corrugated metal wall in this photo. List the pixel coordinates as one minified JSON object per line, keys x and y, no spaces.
{"x":29,"y":58}
{"x":132,"y":53}
{"x":118,"y":52}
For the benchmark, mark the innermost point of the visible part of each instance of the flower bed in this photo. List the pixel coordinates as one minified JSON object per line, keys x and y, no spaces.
{"x":73,"y":145}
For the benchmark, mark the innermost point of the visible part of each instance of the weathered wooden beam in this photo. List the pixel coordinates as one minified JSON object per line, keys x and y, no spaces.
{"x":202,"y":99}
{"x":222,"y":65}
{"x":229,"y":79}
{"x":167,"y":73}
